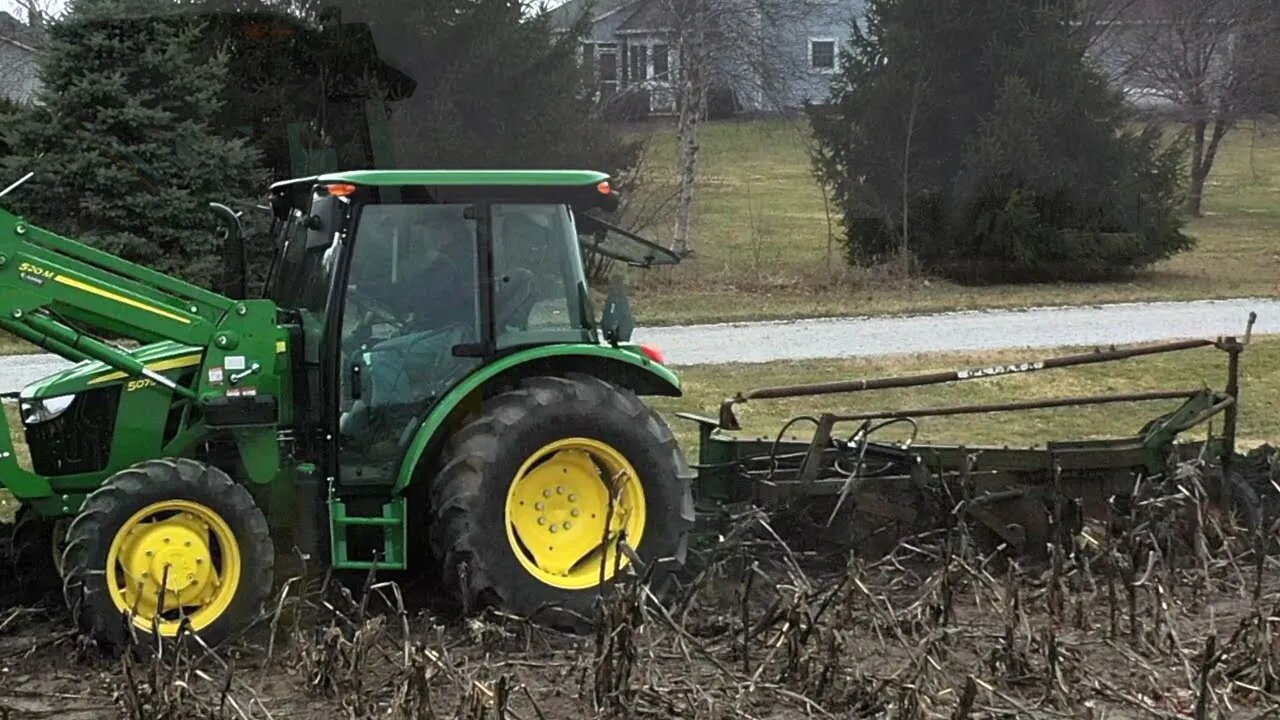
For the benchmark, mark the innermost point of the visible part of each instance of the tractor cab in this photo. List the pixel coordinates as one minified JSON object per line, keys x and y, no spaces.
{"x":401,"y":284}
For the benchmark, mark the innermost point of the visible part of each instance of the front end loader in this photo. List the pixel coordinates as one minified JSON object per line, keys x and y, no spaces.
{"x":423,"y":387}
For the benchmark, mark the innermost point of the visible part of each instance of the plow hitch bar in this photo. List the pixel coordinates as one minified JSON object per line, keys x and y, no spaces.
{"x":728,"y":419}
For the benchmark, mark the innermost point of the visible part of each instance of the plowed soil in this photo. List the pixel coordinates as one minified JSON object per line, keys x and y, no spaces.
{"x":1148,"y":620}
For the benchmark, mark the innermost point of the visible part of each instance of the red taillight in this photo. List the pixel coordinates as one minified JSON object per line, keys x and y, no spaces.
{"x":654,"y":354}
{"x":341,"y":189}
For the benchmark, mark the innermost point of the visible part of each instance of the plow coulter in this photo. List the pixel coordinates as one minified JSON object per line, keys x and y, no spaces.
{"x":850,"y":487}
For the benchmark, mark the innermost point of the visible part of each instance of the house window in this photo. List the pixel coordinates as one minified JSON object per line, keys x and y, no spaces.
{"x":661,"y":61}
{"x":822,"y":54}
{"x":639,"y":62}
{"x":607,"y":64}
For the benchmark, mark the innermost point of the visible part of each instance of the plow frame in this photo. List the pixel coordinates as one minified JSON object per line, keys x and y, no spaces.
{"x":766,"y":471}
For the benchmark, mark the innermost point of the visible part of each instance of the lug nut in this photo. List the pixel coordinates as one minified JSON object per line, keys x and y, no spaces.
{"x":546,"y":493}
{"x":575,"y":512}
{"x":554,"y":528}
{"x":539,"y":506}
{"x":573,"y":497}
{"x":560,"y":490}
{"x":566,"y":526}
{"x":542,"y":521}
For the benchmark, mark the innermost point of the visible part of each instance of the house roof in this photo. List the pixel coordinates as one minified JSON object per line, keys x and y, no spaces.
{"x":18,"y":33}
{"x":563,"y":16}
{"x":649,"y":16}
{"x":1144,"y":11}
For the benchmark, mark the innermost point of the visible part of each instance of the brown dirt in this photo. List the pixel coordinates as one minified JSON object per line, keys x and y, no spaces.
{"x":1118,"y":629}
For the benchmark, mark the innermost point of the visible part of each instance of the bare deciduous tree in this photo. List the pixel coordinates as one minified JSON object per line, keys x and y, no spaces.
{"x":757,"y":48}
{"x":19,"y":46}
{"x":35,"y":11}
{"x":1204,"y":60}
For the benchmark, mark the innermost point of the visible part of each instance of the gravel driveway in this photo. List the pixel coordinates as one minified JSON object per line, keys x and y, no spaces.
{"x":854,"y":337}
{"x":977,"y":330}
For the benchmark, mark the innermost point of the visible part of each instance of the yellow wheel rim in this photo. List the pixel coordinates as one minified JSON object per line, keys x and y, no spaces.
{"x":174,"y":559}
{"x":561,"y":522}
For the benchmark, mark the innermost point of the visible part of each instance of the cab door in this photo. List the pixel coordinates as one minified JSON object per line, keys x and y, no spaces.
{"x":410,"y":310}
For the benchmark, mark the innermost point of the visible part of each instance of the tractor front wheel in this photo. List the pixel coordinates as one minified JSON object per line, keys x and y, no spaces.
{"x":538,"y":493}
{"x":167,"y":542}
{"x":36,"y":555}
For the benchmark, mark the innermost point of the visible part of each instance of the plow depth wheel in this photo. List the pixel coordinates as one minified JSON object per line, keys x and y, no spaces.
{"x":538,"y":491}
{"x":167,"y":541}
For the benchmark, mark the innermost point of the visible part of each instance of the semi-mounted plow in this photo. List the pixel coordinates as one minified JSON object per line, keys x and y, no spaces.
{"x":868,"y":495}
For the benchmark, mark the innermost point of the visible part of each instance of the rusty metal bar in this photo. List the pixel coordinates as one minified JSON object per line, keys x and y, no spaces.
{"x":1025,"y":405}
{"x":1231,"y":419}
{"x":729,"y":422}
{"x":827,"y":421}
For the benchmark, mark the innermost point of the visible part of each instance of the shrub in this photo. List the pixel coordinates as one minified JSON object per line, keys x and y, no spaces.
{"x":974,"y":136}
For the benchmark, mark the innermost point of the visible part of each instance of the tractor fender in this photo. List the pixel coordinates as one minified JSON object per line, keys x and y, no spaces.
{"x":626,"y":367}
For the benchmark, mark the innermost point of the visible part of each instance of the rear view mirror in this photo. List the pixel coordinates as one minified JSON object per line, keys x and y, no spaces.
{"x":323,"y":222}
{"x":316,"y":235}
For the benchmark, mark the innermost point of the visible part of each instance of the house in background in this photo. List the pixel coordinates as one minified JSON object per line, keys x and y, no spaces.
{"x":19,"y":48}
{"x":629,"y":46}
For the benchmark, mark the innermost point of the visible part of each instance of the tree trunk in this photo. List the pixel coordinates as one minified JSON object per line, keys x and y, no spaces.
{"x":1205,"y":153}
{"x":687,"y":135}
{"x":692,"y":99}
{"x":1195,"y":193}
{"x":691,"y":103}
{"x":905,"y":250}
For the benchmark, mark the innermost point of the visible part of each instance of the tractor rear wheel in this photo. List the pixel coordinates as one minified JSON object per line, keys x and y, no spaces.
{"x":167,"y":541}
{"x":538,"y":492}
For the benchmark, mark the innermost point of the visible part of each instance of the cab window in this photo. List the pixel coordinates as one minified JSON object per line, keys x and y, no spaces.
{"x":538,"y":278}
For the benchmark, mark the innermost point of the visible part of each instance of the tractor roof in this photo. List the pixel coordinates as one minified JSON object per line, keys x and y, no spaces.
{"x":506,"y":178}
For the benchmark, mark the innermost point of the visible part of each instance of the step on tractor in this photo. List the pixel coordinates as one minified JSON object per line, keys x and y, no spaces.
{"x":424,"y":387}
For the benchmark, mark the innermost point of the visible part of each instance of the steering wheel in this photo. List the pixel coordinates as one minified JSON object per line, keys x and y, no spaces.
{"x":366,"y":311}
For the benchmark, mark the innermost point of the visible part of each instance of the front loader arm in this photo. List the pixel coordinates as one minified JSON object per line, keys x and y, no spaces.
{"x":49,"y":284}
{"x":55,"y":292}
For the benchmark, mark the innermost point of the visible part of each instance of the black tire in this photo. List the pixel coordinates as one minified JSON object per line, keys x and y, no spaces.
{"x":1239,"y":500}
{"x":106,"y":511}
{"x":478,"y":563}
{"x":32,"y":556}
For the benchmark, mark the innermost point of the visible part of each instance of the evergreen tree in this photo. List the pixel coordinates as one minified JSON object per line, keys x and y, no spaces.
{"x":123,"y":138}
{"x":973,"y":137}
{"x":496,"y":88}
{"x":462,"y":83}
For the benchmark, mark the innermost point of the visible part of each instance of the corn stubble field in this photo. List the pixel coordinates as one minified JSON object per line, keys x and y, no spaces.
{"x":1168,"y":611}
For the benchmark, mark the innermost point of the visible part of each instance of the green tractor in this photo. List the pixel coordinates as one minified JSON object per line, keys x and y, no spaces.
{"x":423,"y":387}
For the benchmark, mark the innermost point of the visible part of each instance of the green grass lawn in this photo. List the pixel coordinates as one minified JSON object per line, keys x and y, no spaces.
{"x":707,"y":385}
{"x":767,"y":249}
